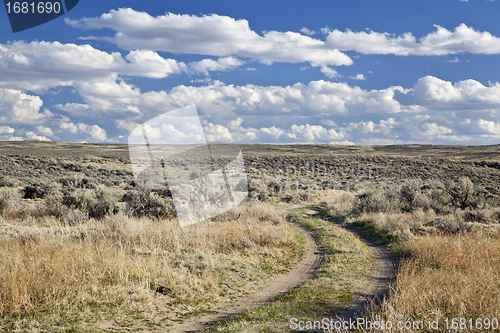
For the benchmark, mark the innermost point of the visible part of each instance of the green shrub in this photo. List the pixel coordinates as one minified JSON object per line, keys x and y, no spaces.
{"x":479,"y":215}
{"x":102,"y":205}
{"x":451,"y":224}
{"x":422,"y":201}
{"x":440,"y":200}
{"x":99,"y":209}
{"x":77,"y":181}
{"x":257,"y":188}
{"x":96,"y":205}
{"x":291,"y":198}
{"x":77,"y":200}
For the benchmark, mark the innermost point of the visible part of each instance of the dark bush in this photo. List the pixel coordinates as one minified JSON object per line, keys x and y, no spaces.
{"x":275,"y":188}
{"x":291,"y":198}
{"x":77,"y":182}
{"x":37,"y":191}
{"x":448,"y":225}
{"x":164,"y":193}
{"x":76,"y":200}
{"x":305,"y":195}
{"x":478,"y":215}
{"x":492,"y":190}
{"x":410,"y":193}
{"x":99,"y":209}
{"x":101,"y":205}
{"x":463,"y":194}
{"x":145,"y":203}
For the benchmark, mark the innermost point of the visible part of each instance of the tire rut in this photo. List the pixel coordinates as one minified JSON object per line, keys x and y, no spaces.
{"x":299,"y":274}
{"x":377,"y":288}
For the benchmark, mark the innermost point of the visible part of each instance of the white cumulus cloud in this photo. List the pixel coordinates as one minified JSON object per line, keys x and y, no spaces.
{"x":43,"y":130}
{"x":306,"y":31}
{"x":17,"y":107}
{"x":213,"y":35}
{"x":440,"y":42}
{"x":6,"y":130}
{"x":32,"y":136}
{"x":437,"y":94}
{"x":490,"y":127}
{"x":222,"y":64}
{"x":358,"y":77}
{"x":83,"y":132}
{"x":38,"y":66}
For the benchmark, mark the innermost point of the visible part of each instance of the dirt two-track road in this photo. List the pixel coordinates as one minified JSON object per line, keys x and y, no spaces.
{"x":375,"y":289}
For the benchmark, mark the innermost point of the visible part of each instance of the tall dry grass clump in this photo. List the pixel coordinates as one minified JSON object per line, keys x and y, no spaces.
{"x":43,"y":274}
{"x":447,"y":277}
{"x":5,"y":199}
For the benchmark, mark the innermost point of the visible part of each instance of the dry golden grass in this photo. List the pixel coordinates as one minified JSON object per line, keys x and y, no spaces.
{"x":452,"y":272}
{"x":102,"y":270}
{"x":447,"y":277}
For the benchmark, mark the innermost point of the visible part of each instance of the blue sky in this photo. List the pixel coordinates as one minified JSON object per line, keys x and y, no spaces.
{"x":343,"y":72}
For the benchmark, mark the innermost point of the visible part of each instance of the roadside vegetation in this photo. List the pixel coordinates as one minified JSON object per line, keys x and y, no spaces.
{"x":77,"y":254}
{"x":447,"y":278}
{"x":449,"y":235}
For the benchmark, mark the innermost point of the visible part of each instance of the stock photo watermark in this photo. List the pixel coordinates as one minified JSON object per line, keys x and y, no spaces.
{"x":25,"y":15}
{"x":313,"y":177}
{"x":171,"y":152}
{"x":342,"y":325}
{"x":317,"y":170}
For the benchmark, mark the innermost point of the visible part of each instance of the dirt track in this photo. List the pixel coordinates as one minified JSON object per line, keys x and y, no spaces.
{"x":379,"y":284}
{"x":383,"y":275}
{"x":374,"y":290}
{"x":300,"y":273}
